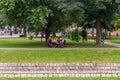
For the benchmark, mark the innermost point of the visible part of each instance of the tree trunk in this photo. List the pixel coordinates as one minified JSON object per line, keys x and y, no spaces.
{"x":110,"y":35}
{"x":106,"y":33}
{"x":47,"y":30}
{"x":47,"y":33}
{"x":25,"y":32}
{"x":98,"y":31}
{"x":92,"y":32}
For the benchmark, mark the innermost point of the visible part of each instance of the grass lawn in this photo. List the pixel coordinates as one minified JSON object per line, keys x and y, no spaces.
{"x":115,"y":39}
{"x":36,"y":43}
{"x":39,"y":56}
{"x":21,"y":43}
{"x":56,"y":78}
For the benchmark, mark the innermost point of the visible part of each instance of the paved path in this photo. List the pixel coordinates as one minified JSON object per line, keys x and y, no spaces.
{"x":59,"y":70}
{"x":109,"y":43}
{"x":59,"y":48}
{"x":113,"y":44}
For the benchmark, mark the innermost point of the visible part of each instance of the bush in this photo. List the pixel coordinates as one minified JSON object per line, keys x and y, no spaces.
{"x":31,"y":36}
{"x":73,"y":35}
{"x":69,"y":34}
{"x":77,"y":35}
{"x":84,"y":35}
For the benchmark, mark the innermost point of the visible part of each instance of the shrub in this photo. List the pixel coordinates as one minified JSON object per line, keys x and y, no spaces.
{"x":84,"y":35}
{"x":77,"y":35}
{"x":73,"y":35}
{"x":31,"y":36}
{"x":69,"y":34}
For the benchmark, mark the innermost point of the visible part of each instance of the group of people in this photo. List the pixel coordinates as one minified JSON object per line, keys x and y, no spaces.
{"x":53,"y":42}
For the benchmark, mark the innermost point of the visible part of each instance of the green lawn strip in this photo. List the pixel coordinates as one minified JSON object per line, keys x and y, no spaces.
{"x":115,"y":38}
{"x":57,"y":78}
{"x":21,"y":43}
{"x":115,"y":41}
{"x":39,"y":56}
{"x":36,"y":43}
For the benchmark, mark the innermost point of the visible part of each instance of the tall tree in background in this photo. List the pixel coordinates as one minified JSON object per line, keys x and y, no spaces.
{"x":101,"y":11}
{"x":64,"y":13}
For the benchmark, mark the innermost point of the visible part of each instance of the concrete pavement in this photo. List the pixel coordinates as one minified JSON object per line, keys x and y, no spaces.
{"x":59,"y":70}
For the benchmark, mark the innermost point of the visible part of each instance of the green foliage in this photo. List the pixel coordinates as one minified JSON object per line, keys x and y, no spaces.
{"x":51,"y":56}
{"x":69,"y":34}
{"x":35,"y":43}
{"x":106,"y":9}
{"x":40,"y":13}
{"x":77,"y":35}
{"x":38,"y":16}
{"x":69,"y":5}
{"x":53,"y":15}
{"x":74,"y":35}
{"x":117,"y":24}
{"x":24,"y":12}
{"x":31,"y":35}
{"x":84,"y":35}
{"x":98,"y":11}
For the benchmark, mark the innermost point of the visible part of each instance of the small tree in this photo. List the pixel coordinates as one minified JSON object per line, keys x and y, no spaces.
{"x":69,"y":34}
{"x":73,"y":35}
{"x":77,"y":36}
{"x":84,"y":35}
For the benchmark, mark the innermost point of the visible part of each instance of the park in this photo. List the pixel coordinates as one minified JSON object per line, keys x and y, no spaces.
{"x":59,"y":39}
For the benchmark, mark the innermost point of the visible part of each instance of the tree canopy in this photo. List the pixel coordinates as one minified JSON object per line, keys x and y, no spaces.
{"x":52,"y":15}
{"x":22,"y":12}
{"x":98,"y":12}
{"x":117,"y":24}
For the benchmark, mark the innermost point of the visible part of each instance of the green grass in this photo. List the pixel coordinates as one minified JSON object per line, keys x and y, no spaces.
{"x":21,"y":42}
{"x":56,"y":78}
{"x":36,"y":43}
{"x":86,"y":44}
{"x":115,"y":39}
{"x":87,"y":56}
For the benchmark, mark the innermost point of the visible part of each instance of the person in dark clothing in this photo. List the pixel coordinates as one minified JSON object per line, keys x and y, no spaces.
{"x":61,"y":42}
{"x":49,"y":42}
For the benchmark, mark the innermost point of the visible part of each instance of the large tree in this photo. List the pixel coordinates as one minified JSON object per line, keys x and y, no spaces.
{"x":100,"y":11}
{"x":50,"y":15}
{"x":64,"y":12}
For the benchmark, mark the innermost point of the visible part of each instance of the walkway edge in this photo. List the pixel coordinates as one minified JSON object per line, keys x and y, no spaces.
{"x":59,"y":48}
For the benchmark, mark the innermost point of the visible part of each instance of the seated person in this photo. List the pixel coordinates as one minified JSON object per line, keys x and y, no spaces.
{"x":54,"y":42}
{"x":49,"y":42}
{"x":61,"y":42}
